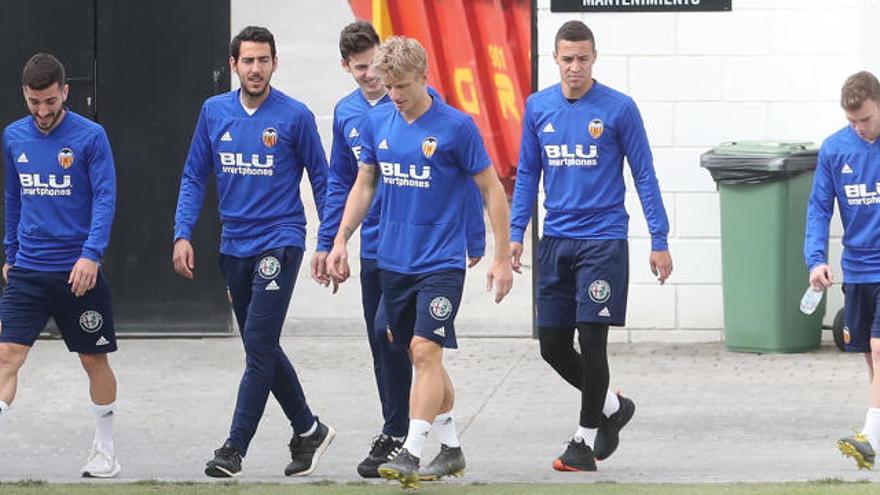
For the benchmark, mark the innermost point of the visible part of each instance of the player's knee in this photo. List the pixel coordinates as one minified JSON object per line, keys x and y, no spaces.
{"x":94,"y":363}
{"x":556,"y":344}
{"x":12,"y":357}
{"x":875,"y":356}
{"x":593,"y":337}
{"x":425,"y":353}
{"x":550,"y":353}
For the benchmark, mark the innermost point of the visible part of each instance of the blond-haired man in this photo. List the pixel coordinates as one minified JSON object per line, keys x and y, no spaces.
{"x":422,"y":153}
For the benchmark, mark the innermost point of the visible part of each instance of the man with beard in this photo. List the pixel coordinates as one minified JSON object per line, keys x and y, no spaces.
{"x":257,"y":141}
{"x":60,"y":201}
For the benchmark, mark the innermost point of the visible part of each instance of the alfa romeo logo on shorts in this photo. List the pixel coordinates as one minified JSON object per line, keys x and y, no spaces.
{"x":270,"y":267}
{"x":600,"y":291}
{"x":91,"y":321}
{"x":846,"y":336}
{"x":441,"y":308}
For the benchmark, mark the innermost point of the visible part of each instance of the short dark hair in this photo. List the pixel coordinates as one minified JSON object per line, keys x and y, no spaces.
{"x":251,"y":33}
{"x":857,"y":89}
{"x":574,"y":31}
{"x":42,"y":71}
{"x":357,"y":37}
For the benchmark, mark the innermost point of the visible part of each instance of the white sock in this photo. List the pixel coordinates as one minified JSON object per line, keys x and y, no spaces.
{"x":612,"y":404}
{"x":419,"y":430}
{"x":104,"y":426}
{"x":444,"y":428}
{"x":588,"y":435}
{"x":872,"y":427}
{"x":313,"y":429}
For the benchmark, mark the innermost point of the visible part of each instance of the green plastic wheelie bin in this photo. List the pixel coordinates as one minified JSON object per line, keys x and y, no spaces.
{"x":764,"y":188}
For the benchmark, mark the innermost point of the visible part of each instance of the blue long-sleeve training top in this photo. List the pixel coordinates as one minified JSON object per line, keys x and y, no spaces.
{"x":60,"y":193}
{"x":847,"y":171}
{"x":258,"y":161}
{"x":348,"y":117}
{"x":579,"y":148}
{"x":424,"y":168}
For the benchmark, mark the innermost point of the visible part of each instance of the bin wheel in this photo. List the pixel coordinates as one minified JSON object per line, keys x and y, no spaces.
{"x":837,"y":330}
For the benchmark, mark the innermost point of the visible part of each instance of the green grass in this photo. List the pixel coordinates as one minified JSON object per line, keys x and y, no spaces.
{"x":827,"y":486}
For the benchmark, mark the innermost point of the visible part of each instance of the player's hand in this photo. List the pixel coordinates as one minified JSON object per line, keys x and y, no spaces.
{"x":337,"y":263}
{"x":319,"y":270}
{"x":516,"y":251}
{"x":83,"y":276}
{"x":6,"y":268}
{"x":184,"y":258}
{"x":661,"y":265}
{"x":473,"y":260}
{"x":501,"y":276}
{"x":821,"y":277}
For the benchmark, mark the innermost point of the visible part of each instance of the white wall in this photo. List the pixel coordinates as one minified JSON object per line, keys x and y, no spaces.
{"x":770,"y":69}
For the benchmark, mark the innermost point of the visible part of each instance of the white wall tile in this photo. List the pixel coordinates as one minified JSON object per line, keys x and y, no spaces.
{"x":804,"y":121}
{"x":830,"y":72}
{"x":740,"y":32}
{"x":708,"y":124}
{"x":792,"y":4}
{"x":678,"y":170}
{"x":639,"y":271}
{"x":695,"y":261}
{"x":775,"y":78}
{"x":659,"y":121}
{"x":870,"y":42}
{"x":548,"y":24}
{"x":627,"y":34}
{"x":675,"y":78}
{"x":700,"y":306}
{"x":650,"y":306}
{"x":613,"y":71}
{"x":815,"y":31}
{"x":697,"y":215}
{"x":548,"y":73}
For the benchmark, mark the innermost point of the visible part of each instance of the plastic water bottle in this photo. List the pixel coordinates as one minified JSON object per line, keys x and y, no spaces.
{"x":811,"y":300}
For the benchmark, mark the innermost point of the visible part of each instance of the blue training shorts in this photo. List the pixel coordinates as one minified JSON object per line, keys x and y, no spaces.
{"x":422,"y":304}
{"x":582,"y":281}
{"x":861,"y":308}
{"x":32,"y":296}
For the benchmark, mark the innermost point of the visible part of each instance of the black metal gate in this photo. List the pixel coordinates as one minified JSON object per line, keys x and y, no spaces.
{"x":141,"y":69}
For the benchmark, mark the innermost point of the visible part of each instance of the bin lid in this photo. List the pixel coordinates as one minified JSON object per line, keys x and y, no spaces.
{"x":770,"y":156}
{"x":755,"y":162}
{"x":765,"y":148}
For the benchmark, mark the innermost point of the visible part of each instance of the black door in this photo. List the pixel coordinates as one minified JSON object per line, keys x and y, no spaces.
{"x":142,"y":70}
{"x":64,"y":28}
